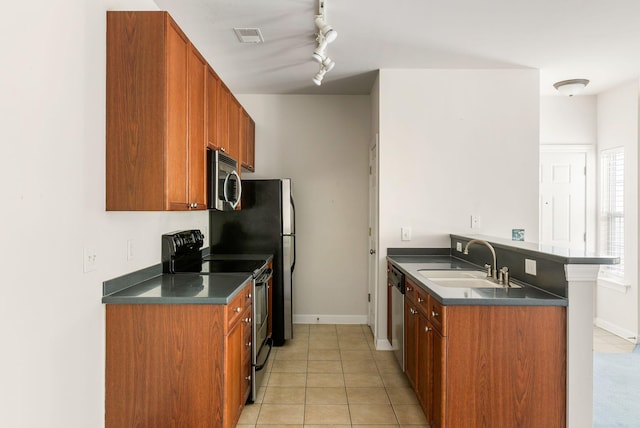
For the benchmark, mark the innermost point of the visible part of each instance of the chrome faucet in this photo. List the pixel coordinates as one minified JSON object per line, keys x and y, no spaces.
{"x":492,"y":270}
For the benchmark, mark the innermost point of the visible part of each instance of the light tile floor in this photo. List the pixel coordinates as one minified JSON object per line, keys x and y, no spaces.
{"x":332,"y":376}
{"x":606,"y":342}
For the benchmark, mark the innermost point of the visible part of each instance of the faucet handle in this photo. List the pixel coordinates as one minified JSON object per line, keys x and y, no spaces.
{"x":503,"y":276}
{"x":487,"y":266}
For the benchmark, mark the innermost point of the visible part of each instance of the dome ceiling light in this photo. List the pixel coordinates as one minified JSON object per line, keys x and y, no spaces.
{"x":325,"y":35}
{"x":571,"y":87}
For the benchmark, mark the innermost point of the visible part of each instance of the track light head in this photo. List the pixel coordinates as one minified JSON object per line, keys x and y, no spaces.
{"x":326,"y":30}
{"x":317,"y":79}
{"x":328,"y":64}
{"x":319,"y":52}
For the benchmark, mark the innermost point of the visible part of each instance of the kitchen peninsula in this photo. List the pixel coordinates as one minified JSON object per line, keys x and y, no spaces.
{"x":523,"y":336}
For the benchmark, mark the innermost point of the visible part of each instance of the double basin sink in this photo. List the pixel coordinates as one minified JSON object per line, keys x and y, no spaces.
{"x":462,"y":279}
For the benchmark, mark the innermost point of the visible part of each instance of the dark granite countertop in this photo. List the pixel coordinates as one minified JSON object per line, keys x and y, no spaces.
{"x":152,"y":286}
{"x":528,"y":295}
{"x":183,"y":288}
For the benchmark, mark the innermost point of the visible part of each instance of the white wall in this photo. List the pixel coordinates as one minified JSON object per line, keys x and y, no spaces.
{"x":618,"y":125}
{"x":53,"y":186}
{"x":455,"y":143}
{"x":569,"y":125}
{"x":568,"y":120}
{"x":321,"y":143}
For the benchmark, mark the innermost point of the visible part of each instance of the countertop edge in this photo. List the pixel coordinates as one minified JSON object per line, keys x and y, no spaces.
{"x":496,"y":301}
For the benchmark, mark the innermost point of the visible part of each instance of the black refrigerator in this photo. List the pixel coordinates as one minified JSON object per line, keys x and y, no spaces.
{"x":265,"y":224}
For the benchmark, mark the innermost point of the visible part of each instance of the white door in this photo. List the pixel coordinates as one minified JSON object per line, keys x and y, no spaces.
{"x":563,"y":199}
{"x":373,"y":234}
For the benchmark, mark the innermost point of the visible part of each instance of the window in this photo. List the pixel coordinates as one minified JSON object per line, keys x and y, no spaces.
{"x":611,"y":226}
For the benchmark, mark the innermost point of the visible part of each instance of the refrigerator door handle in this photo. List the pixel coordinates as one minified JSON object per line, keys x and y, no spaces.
{"x":293,"y":264}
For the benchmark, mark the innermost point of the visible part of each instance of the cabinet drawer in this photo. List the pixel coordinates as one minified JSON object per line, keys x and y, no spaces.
{"x":410,"y":289}
{"x":422,"y":300}
{"x":235,"y":310}
{"x":437,"y":315}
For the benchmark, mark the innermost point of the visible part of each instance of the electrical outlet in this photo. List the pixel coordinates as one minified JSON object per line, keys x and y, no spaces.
{"x":530,"y":266}
{"x":459,"y":247}
{"x":130,"y":249}
{"x":406,"y":233}
{"x":90,"y":259}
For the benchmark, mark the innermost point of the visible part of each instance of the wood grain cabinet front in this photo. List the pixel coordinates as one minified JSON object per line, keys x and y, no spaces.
{"x":473,"y":366}
{"x":176,"y":365}
{"x":155,"y":107}
{"x":247,"y":142}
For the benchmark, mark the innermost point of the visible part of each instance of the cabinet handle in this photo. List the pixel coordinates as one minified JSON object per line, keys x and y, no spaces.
{"x":247,"y":378}
{"x":249,"y":296}
{"x":427,"y":329}
{"x":434,"y":314}
{"x":247,"y":320}
{"x":248,"y":344}
{"x":238,"y":309}
{"x":409,"y":289}
{"x":222,"y":150}
{"x":195,"y":205}
{"x":420,"y":300}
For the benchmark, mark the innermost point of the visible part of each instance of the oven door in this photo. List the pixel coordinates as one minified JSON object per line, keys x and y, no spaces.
{"x":262,"y":343}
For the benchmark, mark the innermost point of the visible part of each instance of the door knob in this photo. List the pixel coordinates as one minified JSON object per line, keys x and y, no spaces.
{"x":372,"y":251}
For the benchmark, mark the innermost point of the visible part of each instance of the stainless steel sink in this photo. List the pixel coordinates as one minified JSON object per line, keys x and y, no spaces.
{"x":462,"y":279}
{"x":452,"y":273}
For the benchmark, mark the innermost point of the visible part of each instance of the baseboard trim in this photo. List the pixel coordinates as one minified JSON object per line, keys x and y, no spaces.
{"x":617,"y":330}
{"x":383,"y":345}
{"x":329,"y":319}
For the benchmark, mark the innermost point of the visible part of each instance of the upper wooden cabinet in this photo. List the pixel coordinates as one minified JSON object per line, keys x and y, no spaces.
{"x":247,"y":142}
{"x":235,"y":110}
{"x":223,"y":104}
{"x":155,"y":107}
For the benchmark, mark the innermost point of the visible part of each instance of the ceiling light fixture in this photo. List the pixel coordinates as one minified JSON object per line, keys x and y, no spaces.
{"x":325,"y":35}
{"x":571,"y":87}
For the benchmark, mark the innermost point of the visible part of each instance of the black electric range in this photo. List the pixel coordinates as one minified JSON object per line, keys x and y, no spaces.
{"x":182,"y":254}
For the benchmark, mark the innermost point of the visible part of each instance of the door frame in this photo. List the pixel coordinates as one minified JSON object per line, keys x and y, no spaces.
{"x":373,"y":236}
{"x":590,"y":187}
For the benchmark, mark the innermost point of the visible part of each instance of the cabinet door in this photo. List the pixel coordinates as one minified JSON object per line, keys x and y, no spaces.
{"x":197,"y":102}
{"x":212,"y":84}
{"x":233,"y":374}
{"x":439,"y":361}
{"x":234,"y":128}
{"x":247,"y":141}
{"x":176,"y":142}
{"x":223,"y":97}
{"x":246,"y":353}
{"x":425,"y":368}
{"x":410,"y":342}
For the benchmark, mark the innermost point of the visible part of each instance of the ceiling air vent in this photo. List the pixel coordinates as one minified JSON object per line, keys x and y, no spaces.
{"x":249,"y":35}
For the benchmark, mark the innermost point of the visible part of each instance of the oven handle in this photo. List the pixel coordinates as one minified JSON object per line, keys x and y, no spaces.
{"x":269,"y":342}
{"x":265,"y":277}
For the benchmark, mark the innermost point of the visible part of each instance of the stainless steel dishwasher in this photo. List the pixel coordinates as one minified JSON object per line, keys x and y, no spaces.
{"x":396,"y":282}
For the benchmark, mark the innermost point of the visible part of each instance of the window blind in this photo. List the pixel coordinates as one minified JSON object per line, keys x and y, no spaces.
{"x":611,"y":236}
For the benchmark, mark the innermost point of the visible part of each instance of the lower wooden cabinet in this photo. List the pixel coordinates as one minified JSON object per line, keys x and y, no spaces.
{"x":475,"y":366}
{"x":177,"y":365}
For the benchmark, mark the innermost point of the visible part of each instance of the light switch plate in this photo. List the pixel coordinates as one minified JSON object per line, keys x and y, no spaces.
{"x":530,"y":266}
{"x":406,"y":233}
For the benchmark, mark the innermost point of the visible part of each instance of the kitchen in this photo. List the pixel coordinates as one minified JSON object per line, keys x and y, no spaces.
{"x":55,"y":333}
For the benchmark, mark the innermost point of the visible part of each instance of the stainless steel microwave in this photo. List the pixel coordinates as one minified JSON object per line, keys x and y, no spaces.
{"x":223,"y":181}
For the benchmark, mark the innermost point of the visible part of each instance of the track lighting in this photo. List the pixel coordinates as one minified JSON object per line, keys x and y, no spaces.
{"x":325,"y":29}
{"x":328,"y":64}
{"x":317,"y":79}
{"x":325,"y":35}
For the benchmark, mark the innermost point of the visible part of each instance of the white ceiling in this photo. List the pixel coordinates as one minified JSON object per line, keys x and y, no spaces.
{"x":594,"y":39}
